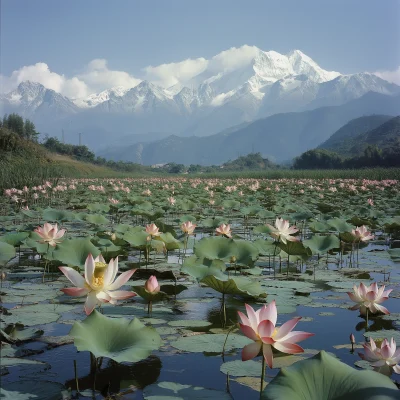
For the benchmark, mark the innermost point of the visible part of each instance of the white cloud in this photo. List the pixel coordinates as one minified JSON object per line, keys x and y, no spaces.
{"x":170,"y":74}
{"x":235,"y":57}
{"x":98,"y":77}
{"x":390,"y":76}
{"x":95,"y":78}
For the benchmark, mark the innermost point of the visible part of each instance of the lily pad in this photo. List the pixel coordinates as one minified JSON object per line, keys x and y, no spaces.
{"x":120,"y":339}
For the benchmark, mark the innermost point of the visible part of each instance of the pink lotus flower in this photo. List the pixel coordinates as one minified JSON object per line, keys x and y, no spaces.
{"x":152,"y":230}
{"x":387,"y":355}
{"x":224,"y":230}
{"x":50,"y":234}
{"x":370,"y":202}
{"x":99,"y":283}
{"x":282,"y":231}
{"x":369,"y":297}
{"x":361,"y":233}
{"x":171,"y":200}
{"x":152,"y":285}
{"x":188,"y":227}
{"x":260,"y":326}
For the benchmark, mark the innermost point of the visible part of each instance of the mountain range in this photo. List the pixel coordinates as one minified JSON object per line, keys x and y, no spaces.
{"x":223,"y":100}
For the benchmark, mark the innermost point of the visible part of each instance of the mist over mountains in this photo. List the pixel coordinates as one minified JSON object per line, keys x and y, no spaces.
{"x":294,"y":103}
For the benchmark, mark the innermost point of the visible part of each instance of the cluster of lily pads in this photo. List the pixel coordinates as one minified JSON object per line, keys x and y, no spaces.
{"x":273,"y":243}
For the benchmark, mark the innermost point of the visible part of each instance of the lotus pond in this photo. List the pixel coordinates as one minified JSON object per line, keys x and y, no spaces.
{"x":201,"y":249}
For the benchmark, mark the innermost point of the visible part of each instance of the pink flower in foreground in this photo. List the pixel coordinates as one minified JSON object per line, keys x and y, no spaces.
{"x":361,"y":233}
{"x":152,"y":285}
{"x":370,"y":202}
{"x":369,"y":297}
{"x":224,"y":230}
{"x":50,"y":234}
{"x":99,"y":283}
{"x":282,"y":231}
{"x":260,"y":326}
{"x":188,"y":227}
{"x":387,"y":355}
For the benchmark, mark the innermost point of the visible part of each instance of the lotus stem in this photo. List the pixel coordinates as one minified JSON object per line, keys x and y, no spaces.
{"x":366,"y":328}
{"x":226,"y":339}
{"x":93,"y":363}
{"x":76,"y":377}
{"x":150,"y":308}
{"x":262,"y":376}
{"x":287,"y":272}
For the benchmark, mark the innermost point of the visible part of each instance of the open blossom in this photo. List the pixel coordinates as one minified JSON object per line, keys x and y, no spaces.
{"x":171,"y":200}
{"x":224,"y":230}
{"x":361,"y":233}
{"x":369,"y":297}
{"x":152,"y":230}
{"x":386,"y":355}
{"x":188,"y":227}
{"x":282,"y":231}
{"x":113,"y":201}
{"x":99,"y":283}
{"x":152,"y":285}
{"x":370,"y":202}
{"x":50,"y":234}
{"x":260,"y":326}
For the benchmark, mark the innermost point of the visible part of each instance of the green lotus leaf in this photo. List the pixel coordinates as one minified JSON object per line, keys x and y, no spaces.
{"x":186,"y":218}
{"x":234,"y":285}
{"x":294,"y":249}
{"x":250,"y":211}
{"x":262,"y":229}
{"x":74,"y":252}
{"x":170,"y":242}
{"x":211,"y":343}
{"x":57,"y":215}
{"x":14,"y":239}
{"x":199,"y":268}
{"x":136,"y":239}
{"x":97,"y":219}
{"x":324,"y":377}
{"x":231,"y":204}
{"x":176,"y":391}
{"x":19,"y":333}
{"x":141,"y":291}
{"x":266,"y":214}
{"x":98,"y":207}
{"x":319,"y":227}
{"x":30,"y":213}
{"x":32,"y":389}
{"x":266,"y":248}
{"x":322,"y":244}
{"x":190,"y":323}
{"x":7,"y":252}
{"x":247,"y":253}
{"x":394,"y":254}
{"x":115,"y":338}
{"x":340,"y":225}
{"x":216,"y":247}
{"x":214,"y":222}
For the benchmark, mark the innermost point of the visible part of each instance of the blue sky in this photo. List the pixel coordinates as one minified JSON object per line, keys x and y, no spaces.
{"x":343,"y":35}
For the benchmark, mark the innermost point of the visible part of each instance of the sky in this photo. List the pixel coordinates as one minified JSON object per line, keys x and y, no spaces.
{"x":79,"y":47}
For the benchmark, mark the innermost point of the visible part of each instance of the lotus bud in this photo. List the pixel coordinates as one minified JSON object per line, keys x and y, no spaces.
{"x":152,"y":285}
{"x":352,"y":339}
{"x":233,"y":260}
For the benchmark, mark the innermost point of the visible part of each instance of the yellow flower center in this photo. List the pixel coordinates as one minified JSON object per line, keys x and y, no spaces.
{"x":98,"y":275}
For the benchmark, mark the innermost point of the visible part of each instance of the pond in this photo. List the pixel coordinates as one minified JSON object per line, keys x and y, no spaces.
{"x":194,"y":359}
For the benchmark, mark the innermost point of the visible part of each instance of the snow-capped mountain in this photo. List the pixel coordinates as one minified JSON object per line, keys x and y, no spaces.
{"x":220,"y":96}
{"x":33,"y":100}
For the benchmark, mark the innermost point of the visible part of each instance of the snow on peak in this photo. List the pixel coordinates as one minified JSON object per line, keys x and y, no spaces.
{"x":97,"y":98}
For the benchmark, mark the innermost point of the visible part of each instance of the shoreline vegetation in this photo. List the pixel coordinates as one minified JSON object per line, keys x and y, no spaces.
{"x":25,"y":162}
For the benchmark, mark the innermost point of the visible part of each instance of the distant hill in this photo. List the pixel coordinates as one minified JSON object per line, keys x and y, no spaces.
{"x":344,"y":138}
{"x":351,"y":140}
{"x":278,"y":137}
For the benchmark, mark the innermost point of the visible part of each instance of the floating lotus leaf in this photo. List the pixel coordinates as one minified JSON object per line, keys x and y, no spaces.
{"x":14,"y":239}
{"x":211,"y":343}
{"x":30,"y":213}
{"x":241,"y":368}
{"x":32,"y":389}
{"x":97,"y":207}
{"x":234,"y":285}
{"x":266,"y":248}
{"x":176,"y":391}
{"x":97,"y":219}
{"x":120,"y":339}
{"x":190,"y":323}
{"x":250,"y":211}
{"x":231,"y":204}
{"x":322,"y":244}
{"x":214,"y":248}
{"x":74,"y":252}
{"x":262,"y":229}
{"x":214,"y":222}
{"x":323,"y":377}
{"x":186,"y":218}
{"x":394,"y":254}
{"x":57,"y":215}
{"x":19,"y":333}
{"x":384,"y":334}
{"x":266,"y":214}
{"x":7,"y":252}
